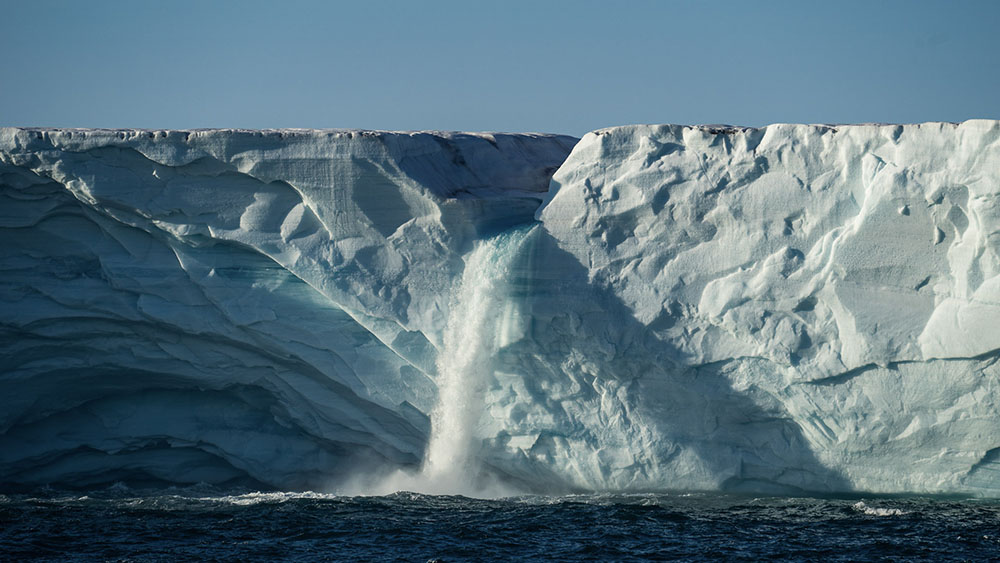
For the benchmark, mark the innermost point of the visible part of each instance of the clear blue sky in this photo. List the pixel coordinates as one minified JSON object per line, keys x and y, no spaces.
{"x":543,"y":65}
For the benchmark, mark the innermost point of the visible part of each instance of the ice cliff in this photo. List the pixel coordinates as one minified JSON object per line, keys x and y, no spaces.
{"x":792,"y":308}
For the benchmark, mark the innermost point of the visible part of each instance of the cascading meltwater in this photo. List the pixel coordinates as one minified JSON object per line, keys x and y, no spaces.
{"x":481,"y":319}
{"x":477,"y":322}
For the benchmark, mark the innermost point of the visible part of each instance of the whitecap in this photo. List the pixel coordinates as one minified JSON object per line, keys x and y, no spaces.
{"x":258,"y":497}
{"x":860,"y":506}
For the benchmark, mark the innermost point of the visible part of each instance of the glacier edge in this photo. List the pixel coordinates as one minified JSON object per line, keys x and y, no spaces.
{"x":790,"y":308}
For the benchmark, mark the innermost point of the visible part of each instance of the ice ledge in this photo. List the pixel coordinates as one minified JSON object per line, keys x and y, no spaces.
{"x":78,"y":138}
{"x":728,"y":129}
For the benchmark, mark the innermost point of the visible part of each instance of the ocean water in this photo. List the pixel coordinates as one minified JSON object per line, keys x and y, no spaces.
{"x":202,"y":523}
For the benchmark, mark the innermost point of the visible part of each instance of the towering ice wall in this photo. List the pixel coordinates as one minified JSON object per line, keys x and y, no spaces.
{"x":779,"y":309}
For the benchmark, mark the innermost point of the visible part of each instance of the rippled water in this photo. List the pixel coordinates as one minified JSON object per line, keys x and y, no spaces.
{"x":202,"y":523}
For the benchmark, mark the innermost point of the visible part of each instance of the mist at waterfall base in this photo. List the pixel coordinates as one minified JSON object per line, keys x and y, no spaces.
{"x":204,"y":523}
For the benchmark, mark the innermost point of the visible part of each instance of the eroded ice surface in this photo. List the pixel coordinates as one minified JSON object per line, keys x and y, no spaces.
{"x":787,"y":308}
{"x":811,"y":306}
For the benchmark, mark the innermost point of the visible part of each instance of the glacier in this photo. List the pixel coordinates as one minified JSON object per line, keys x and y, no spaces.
{"x":793,"y":308}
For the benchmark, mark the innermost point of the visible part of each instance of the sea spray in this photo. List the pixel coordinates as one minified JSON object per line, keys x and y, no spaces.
{"x":480,"y":320}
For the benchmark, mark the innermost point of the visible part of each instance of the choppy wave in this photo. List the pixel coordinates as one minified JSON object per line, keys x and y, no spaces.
{"x":258,"y":497}
{"x":203,"y":522}
{"x":860,"y":506}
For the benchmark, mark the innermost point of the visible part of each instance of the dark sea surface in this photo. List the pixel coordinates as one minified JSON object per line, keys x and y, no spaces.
{"x":200,"y":523}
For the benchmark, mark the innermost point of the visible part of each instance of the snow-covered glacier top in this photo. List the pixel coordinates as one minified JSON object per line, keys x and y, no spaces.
{"x":795,"y":307}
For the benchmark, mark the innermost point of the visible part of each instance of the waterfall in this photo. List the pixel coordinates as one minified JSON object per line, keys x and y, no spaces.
{"x":475,"y":326}
{"x":480,"y":320}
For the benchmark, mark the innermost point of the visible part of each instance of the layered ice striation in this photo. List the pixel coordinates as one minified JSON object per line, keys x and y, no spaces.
{"x":792,"y":308}
{"x":237,"y":306}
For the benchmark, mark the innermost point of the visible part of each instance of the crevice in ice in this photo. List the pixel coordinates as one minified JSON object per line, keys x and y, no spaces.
{"x":990,"y":462}
{"x":987,"y":358}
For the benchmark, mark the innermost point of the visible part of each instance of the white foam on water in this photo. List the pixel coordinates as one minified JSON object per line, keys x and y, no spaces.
{"x":863,"y":508}
{"x":258,"y":497}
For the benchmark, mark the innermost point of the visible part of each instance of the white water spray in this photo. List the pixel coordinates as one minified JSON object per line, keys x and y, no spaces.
{"x":464,"y":364}
{"x":480,"y":319}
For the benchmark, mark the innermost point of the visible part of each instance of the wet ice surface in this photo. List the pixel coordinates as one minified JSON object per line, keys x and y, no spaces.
{"x":206,"y":523}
